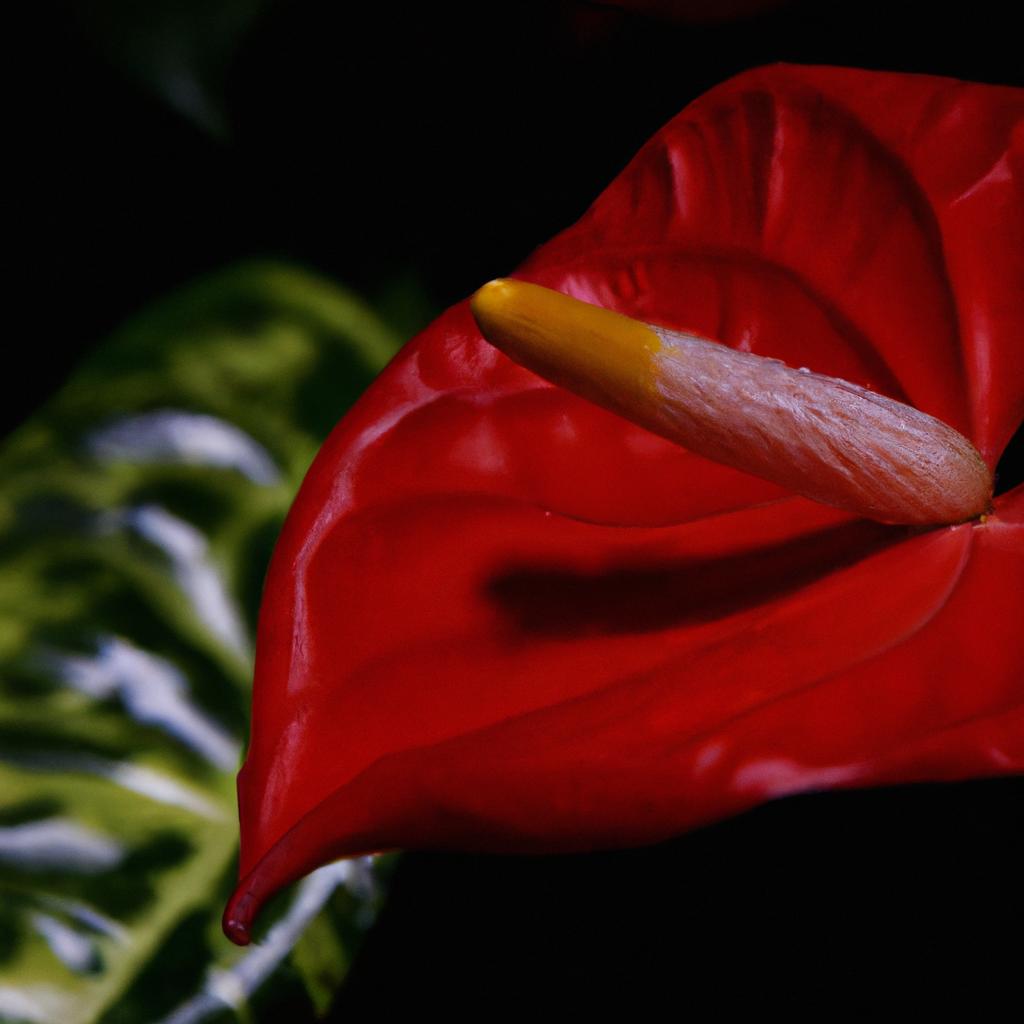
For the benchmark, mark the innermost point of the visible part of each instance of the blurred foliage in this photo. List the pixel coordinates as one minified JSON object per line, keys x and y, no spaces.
{"x":181,"y":50}
{"x":138,"y":510}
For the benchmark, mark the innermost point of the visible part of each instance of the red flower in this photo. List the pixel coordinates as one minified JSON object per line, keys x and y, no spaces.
{"x":501,"y":618}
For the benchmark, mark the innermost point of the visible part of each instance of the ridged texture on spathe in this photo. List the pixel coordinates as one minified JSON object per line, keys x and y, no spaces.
{"x":822,"y":437}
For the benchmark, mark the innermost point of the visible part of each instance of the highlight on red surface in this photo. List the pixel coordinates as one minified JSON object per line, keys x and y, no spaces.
{"x":500,"y":618}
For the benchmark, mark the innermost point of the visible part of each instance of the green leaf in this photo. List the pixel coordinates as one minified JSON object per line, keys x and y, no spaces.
{"x":137,"y":514}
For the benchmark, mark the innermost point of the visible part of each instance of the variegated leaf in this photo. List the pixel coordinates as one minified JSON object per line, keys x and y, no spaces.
{"x":138,"y":510}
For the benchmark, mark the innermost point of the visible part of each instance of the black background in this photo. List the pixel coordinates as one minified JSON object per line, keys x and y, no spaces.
{"x":372,"y":142}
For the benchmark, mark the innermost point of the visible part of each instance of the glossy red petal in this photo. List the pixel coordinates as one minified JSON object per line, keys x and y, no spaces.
{"x":499,"y":617}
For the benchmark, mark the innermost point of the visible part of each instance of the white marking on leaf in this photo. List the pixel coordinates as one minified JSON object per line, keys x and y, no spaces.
{"x":139,"y":779}
{"x":153,"y":692}
{"x":161,"y":788}
{"x":194,"y":572}
{"x":85,"y":915}
{"x":75,"y":951}
{"x":177,"y":436}
{"x":58,"y":844}
{"x":40,"y":1004}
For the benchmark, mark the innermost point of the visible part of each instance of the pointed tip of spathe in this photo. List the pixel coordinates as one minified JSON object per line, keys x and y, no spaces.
{"x":237,"y":920}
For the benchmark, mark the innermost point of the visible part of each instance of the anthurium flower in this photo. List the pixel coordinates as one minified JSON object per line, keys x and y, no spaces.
{"x":502,"y":618}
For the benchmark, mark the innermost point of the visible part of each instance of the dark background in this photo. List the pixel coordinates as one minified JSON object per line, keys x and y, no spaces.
{"x":433,"y":146}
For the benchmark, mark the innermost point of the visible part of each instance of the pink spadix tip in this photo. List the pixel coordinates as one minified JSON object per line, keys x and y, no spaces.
{"x":821,"y":437}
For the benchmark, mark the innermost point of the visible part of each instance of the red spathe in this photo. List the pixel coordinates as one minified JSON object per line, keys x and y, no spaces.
{"x":500,"y":618}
